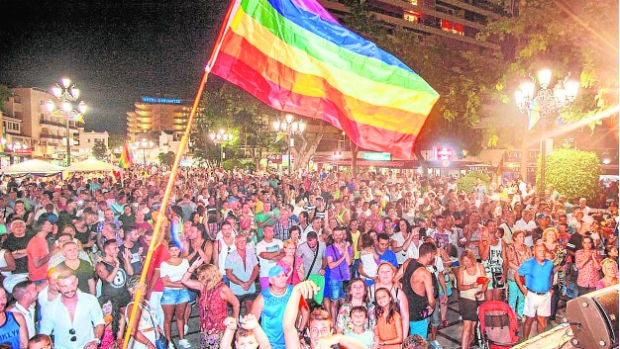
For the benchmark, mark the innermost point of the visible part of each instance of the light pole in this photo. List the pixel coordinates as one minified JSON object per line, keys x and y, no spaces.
{"x":143,"y":145}
{"x":290,"y":127}
{"x":541,"y":101}
{"x":67,"y":95}
{"x":220,"y":138}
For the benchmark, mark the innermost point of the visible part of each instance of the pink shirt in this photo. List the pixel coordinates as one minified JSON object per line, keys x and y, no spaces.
{"x":588,"y":273}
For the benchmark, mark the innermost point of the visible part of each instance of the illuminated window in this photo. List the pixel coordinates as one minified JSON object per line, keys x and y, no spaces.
{"x":452,"y":27}
{"x":412,"y":16}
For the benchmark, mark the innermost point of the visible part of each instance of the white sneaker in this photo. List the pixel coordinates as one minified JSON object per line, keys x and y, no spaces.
{"x":436,"y":344}
{"x":171,"y":345}
{"x":185,"y":329}
{"x":184,"y":343}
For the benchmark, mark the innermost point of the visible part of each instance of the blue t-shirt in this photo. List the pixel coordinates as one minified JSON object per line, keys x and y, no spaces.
{"x":537,"y":276}
{"x":272,"y":316}
{"x":389,"y":256}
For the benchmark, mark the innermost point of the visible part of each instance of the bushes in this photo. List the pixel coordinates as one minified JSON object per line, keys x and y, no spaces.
{"x":467,"y":182}
{"x":574,"y":173}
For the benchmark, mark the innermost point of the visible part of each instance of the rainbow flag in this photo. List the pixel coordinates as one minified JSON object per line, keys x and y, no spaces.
{"x":533,"y":114}
{"x":125,"y":160}
{"x":295,"y":57}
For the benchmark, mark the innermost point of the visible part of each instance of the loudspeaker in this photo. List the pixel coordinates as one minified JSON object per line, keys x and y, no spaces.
{"x":594,"y":319}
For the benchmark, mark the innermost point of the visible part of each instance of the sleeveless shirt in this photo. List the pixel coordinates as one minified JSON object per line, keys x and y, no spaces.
{"x":417,"y":303}
{"x":9,"y":332}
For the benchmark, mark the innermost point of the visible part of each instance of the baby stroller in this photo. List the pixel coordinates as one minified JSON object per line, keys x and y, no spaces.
{"x":497,"y":326}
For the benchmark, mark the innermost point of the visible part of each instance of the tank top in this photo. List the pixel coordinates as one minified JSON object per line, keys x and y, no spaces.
{"x":494,"y":264}
{"x":273,"y":315}
{"x":468,"y":280}
{"x":117,"y":286}
{"x":9,"y":332}
{"x":213,"y":310}
{"x":417,"y":303}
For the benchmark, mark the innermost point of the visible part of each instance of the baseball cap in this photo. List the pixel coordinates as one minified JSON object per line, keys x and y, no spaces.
{"x":276,"y":270}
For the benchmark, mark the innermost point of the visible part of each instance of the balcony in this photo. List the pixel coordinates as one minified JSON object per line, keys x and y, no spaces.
{"x":47,"y":121}
{"x":51,"y":136}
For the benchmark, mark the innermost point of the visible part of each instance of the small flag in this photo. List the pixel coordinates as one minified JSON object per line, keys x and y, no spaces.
{"x":279,"y":136}
{"x":125,"y":160}
{"x":533,"y":114}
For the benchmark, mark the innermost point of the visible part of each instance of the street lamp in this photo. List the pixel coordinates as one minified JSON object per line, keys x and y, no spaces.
{"x":540,"y":101}
{"x":67,"y":95}
{"x":290,"y":127}
{"x":220,"y":138}
{"x":143,"y":145}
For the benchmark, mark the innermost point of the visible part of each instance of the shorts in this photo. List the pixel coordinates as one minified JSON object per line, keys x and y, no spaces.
{"x":419,"y":327}
{"x":172,"y":296}
{"x":468,"y":309}
{"x":246,"y":297}
{"x":537,"y":305}
{"x":192,"y":296}
{"x":336,"y":291}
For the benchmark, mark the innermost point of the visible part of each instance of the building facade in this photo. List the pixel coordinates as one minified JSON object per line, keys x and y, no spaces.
{"x":153,"y":115}
{"x":455,"y":22}
{"x":30,"y":123}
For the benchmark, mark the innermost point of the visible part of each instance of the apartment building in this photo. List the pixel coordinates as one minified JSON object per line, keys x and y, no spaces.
{"x":454,"y":22}
{"x":153,"y":115}
{"x":29,"y":123}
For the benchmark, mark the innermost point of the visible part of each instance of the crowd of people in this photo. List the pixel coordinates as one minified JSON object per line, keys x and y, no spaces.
{"x":269,"y":261}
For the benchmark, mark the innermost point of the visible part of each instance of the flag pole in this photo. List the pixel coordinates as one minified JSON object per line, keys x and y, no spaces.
{"x":137,"y":299}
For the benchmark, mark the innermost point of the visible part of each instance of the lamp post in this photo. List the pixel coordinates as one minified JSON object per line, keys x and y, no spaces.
{"x":539,"y":100}
{"x":220,"y":138}
{"x":143,"y":145}
{"x":290,"y":127}
{"x":69,"y":107}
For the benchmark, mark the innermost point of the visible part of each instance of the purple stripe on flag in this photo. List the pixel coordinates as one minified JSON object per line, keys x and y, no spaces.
{"x":314,"y":7}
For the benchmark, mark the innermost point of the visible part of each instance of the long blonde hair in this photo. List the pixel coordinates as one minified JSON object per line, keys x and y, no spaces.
{"x":209,"y":275}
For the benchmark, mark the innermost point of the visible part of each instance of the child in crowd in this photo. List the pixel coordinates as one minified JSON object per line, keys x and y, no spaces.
{"x":389,"y":329}
{"x":359,"y":319}
{"x":248,"y":336}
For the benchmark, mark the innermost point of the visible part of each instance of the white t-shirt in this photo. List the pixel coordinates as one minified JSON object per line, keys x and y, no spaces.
{"x":173,"y":272}
{"x":265,"y":264}
{"x":401,"y":256}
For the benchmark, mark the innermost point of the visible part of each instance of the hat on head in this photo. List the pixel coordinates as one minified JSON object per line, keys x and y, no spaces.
{"x":541,"y":215}
{"x":276,"y":270}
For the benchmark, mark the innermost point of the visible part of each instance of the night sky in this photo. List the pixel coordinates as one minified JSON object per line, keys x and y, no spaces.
{"x":116,"y":51}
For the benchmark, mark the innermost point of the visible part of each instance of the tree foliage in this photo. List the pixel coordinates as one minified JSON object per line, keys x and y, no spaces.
{"x":5,"y":94}
{"x":574,"y":173}
{"x":166,"y":158}
{"x":467,"y":182}
{"x":579,"y":38}
{"x":100,"y":151}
